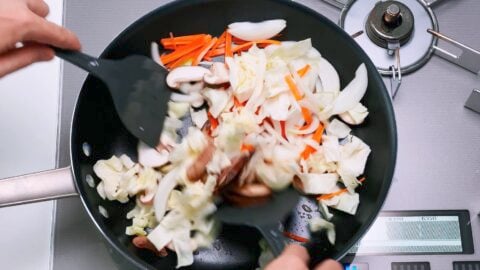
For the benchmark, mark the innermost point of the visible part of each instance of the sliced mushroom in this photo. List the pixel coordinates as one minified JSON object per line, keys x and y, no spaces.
{"x":218,"y":74}
{"x":142,"y":242}
{"x":199,"y":166}
{"x":185,"y":74}
{"x":231,"y":172}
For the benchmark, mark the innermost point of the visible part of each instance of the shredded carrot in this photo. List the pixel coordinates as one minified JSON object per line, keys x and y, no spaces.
{"x":203,"y":51}
{"x":247,"y":148}
{"x":228,"y":45}
{"x":307,"y":115}
{"x":172,"y":38}
{"x":216,"y":52}
{"x":213,"y":121}
{"x":301,"y":72}
{"x":268,"y":120}
{"x":196,"y":44}
{"x":183,"y":60}
{"x":249,"y":44}
{"x":336,"y":193}
{"x":295,"y":237}
{"x":180,"y":40}
{"x":220,"y":41}
{"x":317,"y":136}
{"x":293,"y":87}
{"x":282,"y":127}
{"x":238,"y":40}
{"x":237,"y":103}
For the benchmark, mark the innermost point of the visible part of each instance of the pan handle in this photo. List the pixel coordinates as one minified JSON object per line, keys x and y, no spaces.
{"x":36,"y":187}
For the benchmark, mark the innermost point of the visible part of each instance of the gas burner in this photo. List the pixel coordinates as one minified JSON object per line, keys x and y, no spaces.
{"x":407,"y":25}
{"x":390,"y":25}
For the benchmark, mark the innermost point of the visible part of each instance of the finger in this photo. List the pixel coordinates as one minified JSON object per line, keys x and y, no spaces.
{"x":38,"y":7}
{"x":329,"y":265}
{"x":21,"y":57}
{"x":45,"y":32}
{"x":297,"y":251}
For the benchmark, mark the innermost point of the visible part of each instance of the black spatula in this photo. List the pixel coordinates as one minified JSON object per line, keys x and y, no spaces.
{"x":265,"y":217}
{"x":138,"y":89}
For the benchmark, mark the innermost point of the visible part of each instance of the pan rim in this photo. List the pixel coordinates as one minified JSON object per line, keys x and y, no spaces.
{"x":392,"y":128}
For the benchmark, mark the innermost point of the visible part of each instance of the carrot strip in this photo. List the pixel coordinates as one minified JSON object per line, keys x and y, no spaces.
{"x":317,"y":136}
{"x":183,"y":60}
{"x":307,"y":115}
{"x":172,"y":38}
{"x":221,"y":40}
{"x":180,"y":40}
{"x":198,"y":43}
{"x":295,"y":237}
{"x":213,"y":121}
{"x":228,"y":45}
{"x":282,"y":127}
{"x":293,"y":87}
{"x":203,"y":51}
{"x":237,"y":103}
{"x":301,"y":72}
{"x":336,"y":193}
{"x":249,"y":44}
{"x":216,"y":52}
{"x":247,"y":148}
{"x":238,"y":40}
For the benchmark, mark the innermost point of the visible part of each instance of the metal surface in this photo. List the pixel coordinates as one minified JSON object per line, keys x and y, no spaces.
{"x":37,"y":187}
{"x":389,"y":21}
{"x":438,"y":166}
{"x":415,"y":52}
{"x":468,"y":58}
{"x":473,"y":102}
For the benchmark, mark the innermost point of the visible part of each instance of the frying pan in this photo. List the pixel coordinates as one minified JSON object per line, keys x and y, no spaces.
{"x":97,"y":133}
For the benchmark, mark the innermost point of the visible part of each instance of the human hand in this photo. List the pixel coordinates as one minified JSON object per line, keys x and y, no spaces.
{"x":295,"y":257}
{"x":24,"y":21}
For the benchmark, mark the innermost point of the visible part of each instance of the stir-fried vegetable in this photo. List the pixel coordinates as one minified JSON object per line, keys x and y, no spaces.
{"x":264,"y":117}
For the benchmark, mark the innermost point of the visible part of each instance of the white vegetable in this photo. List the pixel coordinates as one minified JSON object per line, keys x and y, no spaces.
{"x":338,"y":129}
{"x":150,"y":157}
{"x":166,"y":185}
{"x":355,"y":116}
{"x":142,"y":217}
{"x":199,"y":118}
{"x":183,"y":74}
{"x":354,"y":155}
{"x":178,"y":109}
{"x":154,"y":53}
{"x":217,"y":100}
{"x":218,"y":74}
{"x":331,"y":148}
{"x":330,"y":81}
{"x":318,"y":223}
{"x":103,"y":211}
{"x":314,"y":183}
{"x":353,"y":92}
{"x":251,"y":31}
{"x":115,"y":179}
{"x":322,"y":207}
{"x":347,"y":203}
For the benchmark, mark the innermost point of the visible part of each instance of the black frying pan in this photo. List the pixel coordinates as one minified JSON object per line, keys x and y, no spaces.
{"x":96,"y":123}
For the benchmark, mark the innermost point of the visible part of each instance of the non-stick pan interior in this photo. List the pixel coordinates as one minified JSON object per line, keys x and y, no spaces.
{"x":96,"y":123}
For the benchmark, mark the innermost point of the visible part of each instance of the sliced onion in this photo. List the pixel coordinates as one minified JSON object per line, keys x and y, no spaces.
{"x":166,"y":185}
{"x":311,"y":128}
{"x":155,"y":54}
{"x":353,"y":92}
{"x":251,"y":31}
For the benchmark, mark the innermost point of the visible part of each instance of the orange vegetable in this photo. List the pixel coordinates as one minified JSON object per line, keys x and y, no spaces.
{"x":249,"y":44}
{"x":301,"y":72}
{"x":228,"y":45}
{"x":293,"y":87}
{"x":216,"y":52}
{"x":295,"y":237}
{"x":307,"y":115}
{"x":203,"y":51}
{"x":247,"y":148}
{"x":213,"y":121}
{"x":336,"y":193}
{"x":237,"y":103}
{"x":183,"y":60}
{"x":173,"y":41}
{"x":196,"y":44}
{"x":317,"y":136}
{"x":180,"y":40}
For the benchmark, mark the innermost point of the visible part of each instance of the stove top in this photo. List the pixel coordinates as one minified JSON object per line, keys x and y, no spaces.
{"x":429,"y":220}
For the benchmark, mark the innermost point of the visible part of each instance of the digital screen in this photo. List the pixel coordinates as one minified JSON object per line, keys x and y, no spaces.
{"x":415,"y":234}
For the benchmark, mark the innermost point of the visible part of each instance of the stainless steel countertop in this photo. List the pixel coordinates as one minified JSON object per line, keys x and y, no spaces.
{"x":439,"y":140}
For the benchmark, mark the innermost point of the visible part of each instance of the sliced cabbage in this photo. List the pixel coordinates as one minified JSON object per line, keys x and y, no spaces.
{"x":354,"y":155}
{"x":142,"y":216}
{"x":314,"y":183}
{"x":331,"y":148}
{"x":177,"y":109}
{"x":338,"y":129}
{"x":322,"y":207}
{"x":355,"y":116}
{"x":252,"y":31}
{"x":115,"y":179}
{"x":219,"y":162}
{"x":217,"y":100}
{"x":318,"y":224}
{"x":199,"y":118}
{"x":289,"y":51}
{"x":278,"y":107}
{"x":347,"y":203}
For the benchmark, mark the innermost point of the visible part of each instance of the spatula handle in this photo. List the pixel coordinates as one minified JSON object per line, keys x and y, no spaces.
{"x":274,"y":238}
{"x":84,"y":61}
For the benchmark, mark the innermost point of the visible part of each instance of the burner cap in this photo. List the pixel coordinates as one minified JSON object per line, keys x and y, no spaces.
{"x":392,"y":22}
{"x":389,"y":22}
